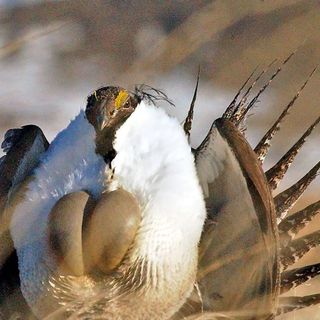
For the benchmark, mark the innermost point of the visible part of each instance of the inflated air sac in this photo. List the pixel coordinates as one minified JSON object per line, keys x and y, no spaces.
{"x":65,"y":231}
{"x":110,"y":230}
{"x":86,"y":236}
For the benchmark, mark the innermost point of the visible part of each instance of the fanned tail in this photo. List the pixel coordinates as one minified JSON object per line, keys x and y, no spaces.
{"x":291,"y":250}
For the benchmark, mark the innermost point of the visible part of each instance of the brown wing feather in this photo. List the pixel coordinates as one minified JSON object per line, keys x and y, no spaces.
{"x":23,"y":149}
{"x":239,"y":239}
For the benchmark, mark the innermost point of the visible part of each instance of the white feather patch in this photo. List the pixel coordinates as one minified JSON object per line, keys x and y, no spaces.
{"x":69,"y":165}
{"x":155,"y":163}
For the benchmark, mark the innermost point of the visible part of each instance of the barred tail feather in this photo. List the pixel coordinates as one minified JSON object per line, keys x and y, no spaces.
{"x":296,"y":249}
{"x":237,"y":119}
{"x":289,"y":304}
{"x":295,"y":277}
{"x":264,"y":145}
{"x":238,"y":109}
{"x":232,"y":106}
{"x":286,"y":199}
{"x":188,"y":122}
{"x":290,"y":226}
{"x":277,"y":172}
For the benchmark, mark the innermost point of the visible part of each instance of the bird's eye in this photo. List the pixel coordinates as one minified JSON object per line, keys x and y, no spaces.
{"x":126,"y":105}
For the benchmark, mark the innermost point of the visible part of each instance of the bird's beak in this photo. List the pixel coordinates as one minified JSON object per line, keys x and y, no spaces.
{"x":101,"y":121}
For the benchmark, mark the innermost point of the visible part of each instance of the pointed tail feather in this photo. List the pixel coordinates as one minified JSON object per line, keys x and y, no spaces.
{"x":263,"y":146}
{"x":296,"y":249}
{"x":188,"y":122}
{"x":238,"y":109}
{"x":289,"y":304}
{"x":232,"y":106}
{"x":295,"y":277}
{"x":286,"y":199}
{"x":290,"y":226}
{"x":277,"y":172}
{"x":242,"y":114}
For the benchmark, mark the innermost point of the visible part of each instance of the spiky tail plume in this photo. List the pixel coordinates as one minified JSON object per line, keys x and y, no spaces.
{"x":287,"y":199}
{"x":264,"y":145}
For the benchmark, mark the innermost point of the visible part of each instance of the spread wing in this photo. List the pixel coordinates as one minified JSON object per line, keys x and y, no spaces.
{"x":241,"y":271}
{"x":239,"y":241}
{"x":23,"y":148}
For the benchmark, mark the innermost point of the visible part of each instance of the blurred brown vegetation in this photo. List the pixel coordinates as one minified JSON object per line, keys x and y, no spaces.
{"x":72,"y":46}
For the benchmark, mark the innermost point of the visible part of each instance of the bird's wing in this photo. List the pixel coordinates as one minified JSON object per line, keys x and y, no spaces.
{"x":23,"y":148}
{"x":239,"y":238}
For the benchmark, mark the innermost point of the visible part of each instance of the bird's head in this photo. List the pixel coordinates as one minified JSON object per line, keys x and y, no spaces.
{"x":107,"y":109}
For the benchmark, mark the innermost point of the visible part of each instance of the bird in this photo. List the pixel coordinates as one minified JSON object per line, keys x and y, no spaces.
{"x":224,"y":252}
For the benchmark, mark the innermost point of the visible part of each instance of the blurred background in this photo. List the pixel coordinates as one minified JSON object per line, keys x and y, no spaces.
{"x":54,"y":53}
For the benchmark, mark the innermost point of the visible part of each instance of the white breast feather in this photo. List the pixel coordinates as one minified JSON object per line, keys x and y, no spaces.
{"x":154,"y":162}
{"x":70,"y":164}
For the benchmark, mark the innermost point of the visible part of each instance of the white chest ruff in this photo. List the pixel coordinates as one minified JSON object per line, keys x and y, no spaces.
{"x":155,"y":163}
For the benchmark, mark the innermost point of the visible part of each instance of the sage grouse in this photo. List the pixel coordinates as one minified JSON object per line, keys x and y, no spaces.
{"x":119,"y":218}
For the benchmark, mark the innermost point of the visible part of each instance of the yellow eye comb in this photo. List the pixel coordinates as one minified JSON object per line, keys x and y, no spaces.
{"x":121,"y":99}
